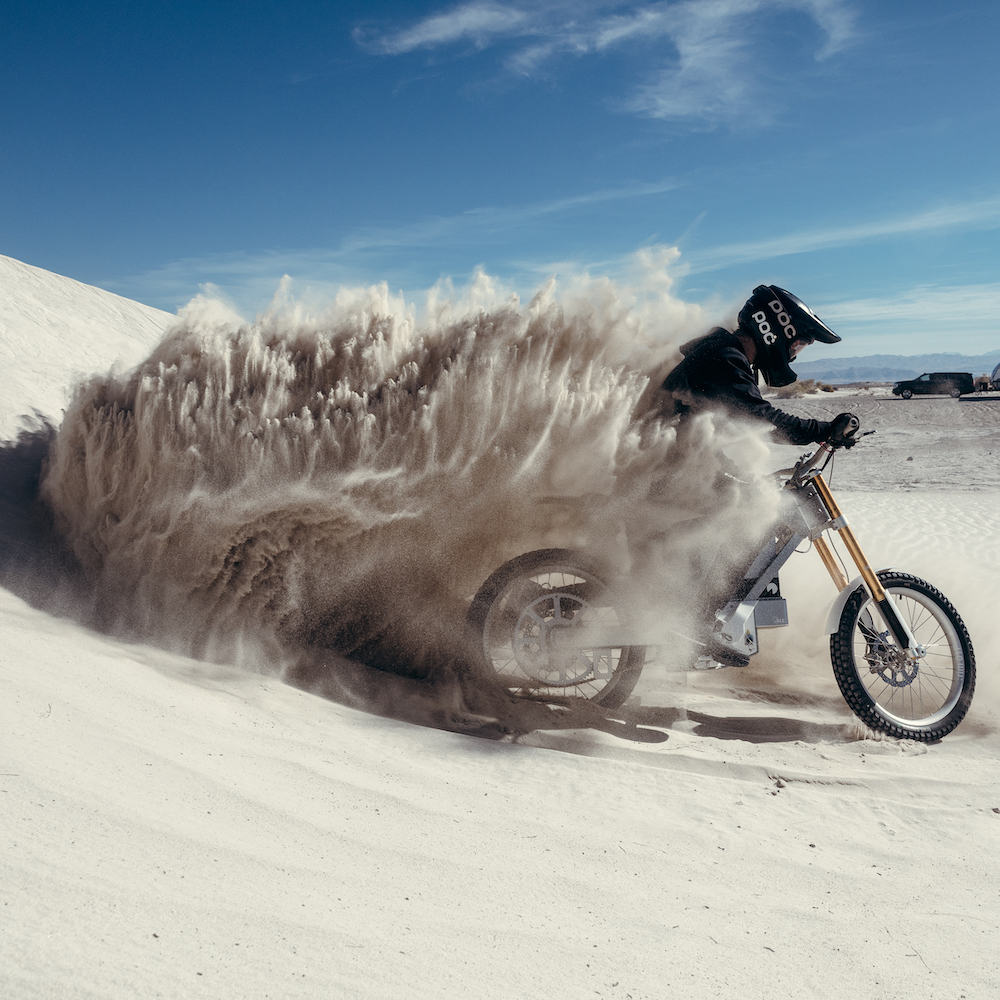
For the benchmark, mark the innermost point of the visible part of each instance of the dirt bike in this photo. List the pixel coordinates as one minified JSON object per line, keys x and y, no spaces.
{"x":551,"y":623}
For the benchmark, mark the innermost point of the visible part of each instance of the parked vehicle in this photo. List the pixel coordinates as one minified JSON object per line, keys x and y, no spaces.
{"x":952,"y":384}
{"x":989,"y":383}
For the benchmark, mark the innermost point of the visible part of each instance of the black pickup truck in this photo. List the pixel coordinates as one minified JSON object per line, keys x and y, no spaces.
{"x":953,"y":384}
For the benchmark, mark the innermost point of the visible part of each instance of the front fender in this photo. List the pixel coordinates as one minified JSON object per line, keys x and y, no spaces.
{"x":833,"y":618}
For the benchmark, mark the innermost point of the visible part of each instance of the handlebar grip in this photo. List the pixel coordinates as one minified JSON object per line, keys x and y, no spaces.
{"x":845,"y":426}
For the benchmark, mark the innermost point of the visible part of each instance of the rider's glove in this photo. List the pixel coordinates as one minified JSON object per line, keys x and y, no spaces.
{"x":845,"y":426}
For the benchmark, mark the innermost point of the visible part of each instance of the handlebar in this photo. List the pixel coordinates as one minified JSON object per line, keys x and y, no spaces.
{"x":844,"y":435}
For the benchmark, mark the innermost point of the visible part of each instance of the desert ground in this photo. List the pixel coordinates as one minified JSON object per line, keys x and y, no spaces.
{"x":178,"y":828}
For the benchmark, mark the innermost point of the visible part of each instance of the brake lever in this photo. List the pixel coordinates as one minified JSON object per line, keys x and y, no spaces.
{"x":852,"y":440}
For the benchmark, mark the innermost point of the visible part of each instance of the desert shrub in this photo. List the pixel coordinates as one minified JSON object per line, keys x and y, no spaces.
{"x":803,"y":387}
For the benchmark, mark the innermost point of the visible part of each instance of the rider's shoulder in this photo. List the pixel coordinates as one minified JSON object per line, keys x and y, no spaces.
{"x":709,"y":357}
{"x":716,"y":344}
{"x":717,"y":339}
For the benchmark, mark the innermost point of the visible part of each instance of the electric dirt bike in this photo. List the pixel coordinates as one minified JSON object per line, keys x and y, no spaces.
{"x":550,"y":623}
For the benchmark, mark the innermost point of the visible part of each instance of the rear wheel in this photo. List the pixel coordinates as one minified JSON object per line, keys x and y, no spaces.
{"x":923,"y":698}
{"x":549,"y":625}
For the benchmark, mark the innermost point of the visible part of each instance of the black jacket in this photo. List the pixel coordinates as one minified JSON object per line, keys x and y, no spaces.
{"x":716,"y":374}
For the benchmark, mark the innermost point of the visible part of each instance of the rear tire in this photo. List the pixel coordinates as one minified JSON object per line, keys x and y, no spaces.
{"x":922,"y":700}
{"x":521,"y":622}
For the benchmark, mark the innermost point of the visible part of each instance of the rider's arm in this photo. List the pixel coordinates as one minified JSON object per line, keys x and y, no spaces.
{"x":737,"y":385}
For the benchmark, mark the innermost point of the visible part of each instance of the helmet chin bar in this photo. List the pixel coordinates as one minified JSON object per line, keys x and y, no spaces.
{"x":776,"y":379}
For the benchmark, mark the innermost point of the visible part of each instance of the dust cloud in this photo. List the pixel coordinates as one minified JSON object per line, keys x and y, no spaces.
{"x":321,"y":491}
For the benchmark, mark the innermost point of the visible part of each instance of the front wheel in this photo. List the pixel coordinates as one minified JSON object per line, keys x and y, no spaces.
{"x":549,"y":625}
{"x":906,"y":394}
{"x":923,"y":698}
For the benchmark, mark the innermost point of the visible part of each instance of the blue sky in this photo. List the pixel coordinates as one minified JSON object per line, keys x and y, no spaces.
{"x":845,"y":150}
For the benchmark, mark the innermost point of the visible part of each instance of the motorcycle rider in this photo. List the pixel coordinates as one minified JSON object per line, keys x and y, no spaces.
{"x":719,"y":370}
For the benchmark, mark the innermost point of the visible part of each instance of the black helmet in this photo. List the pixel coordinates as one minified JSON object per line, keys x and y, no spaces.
{"x":774,"y":318}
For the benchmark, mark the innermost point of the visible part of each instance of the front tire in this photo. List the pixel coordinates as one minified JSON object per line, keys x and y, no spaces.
{"x":522,"y":623}
{"x":906,"y":394}
{"x":923,"y":699}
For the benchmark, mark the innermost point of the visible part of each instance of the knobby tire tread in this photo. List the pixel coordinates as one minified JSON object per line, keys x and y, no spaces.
{"x":851,"y":686}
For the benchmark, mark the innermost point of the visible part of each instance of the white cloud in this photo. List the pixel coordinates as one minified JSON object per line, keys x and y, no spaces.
{"x":921,"y":320}
{"x":836,"y":19}
{"x":362,"y":255}
{"x":984,"y":214}
{"x":947,"y":308}
{"x":479,"y":222}
{"x":479,"y":22}
{"x":702,"y":45}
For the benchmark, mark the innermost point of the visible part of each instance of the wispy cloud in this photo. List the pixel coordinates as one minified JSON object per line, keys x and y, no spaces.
{"x":476,"y":22}
{"x":946,"y":308}
{"x":984,"y":214}
{"x":365,"y":254}
{"x":703,"y":48}
{"x":920,"y":320}
{"x":479,"y":223}
{"x":371,"y":253}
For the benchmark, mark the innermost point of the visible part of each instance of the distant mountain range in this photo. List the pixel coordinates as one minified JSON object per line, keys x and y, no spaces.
{"x":893,"y":367}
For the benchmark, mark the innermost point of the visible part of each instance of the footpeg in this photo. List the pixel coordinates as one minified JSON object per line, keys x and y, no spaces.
{"x":727,"y":657}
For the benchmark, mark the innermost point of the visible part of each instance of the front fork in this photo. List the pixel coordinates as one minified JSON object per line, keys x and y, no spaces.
{"x":899,"y":629}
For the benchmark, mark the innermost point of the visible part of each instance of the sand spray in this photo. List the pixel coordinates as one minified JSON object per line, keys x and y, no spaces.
{"x":343,"y":479}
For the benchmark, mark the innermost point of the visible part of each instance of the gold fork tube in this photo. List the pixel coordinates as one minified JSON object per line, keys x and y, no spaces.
{"x":833,"y":568}
{"x":860,"y":559}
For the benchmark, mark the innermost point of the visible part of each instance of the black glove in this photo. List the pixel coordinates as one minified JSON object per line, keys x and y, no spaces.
{"x":844,"y":427}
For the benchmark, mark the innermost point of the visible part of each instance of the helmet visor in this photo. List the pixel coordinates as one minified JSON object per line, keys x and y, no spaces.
{"x":800,"y":341}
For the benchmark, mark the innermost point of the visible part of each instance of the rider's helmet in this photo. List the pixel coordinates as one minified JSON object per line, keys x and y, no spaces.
{"x":775,"y":318}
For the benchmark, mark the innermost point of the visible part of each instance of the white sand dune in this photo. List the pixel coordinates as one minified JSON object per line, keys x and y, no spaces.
{"x":54,"y":330}
{"x":174,"y":828}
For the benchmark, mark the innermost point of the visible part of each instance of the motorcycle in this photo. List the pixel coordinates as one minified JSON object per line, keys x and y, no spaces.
{"x":551,"y":623}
